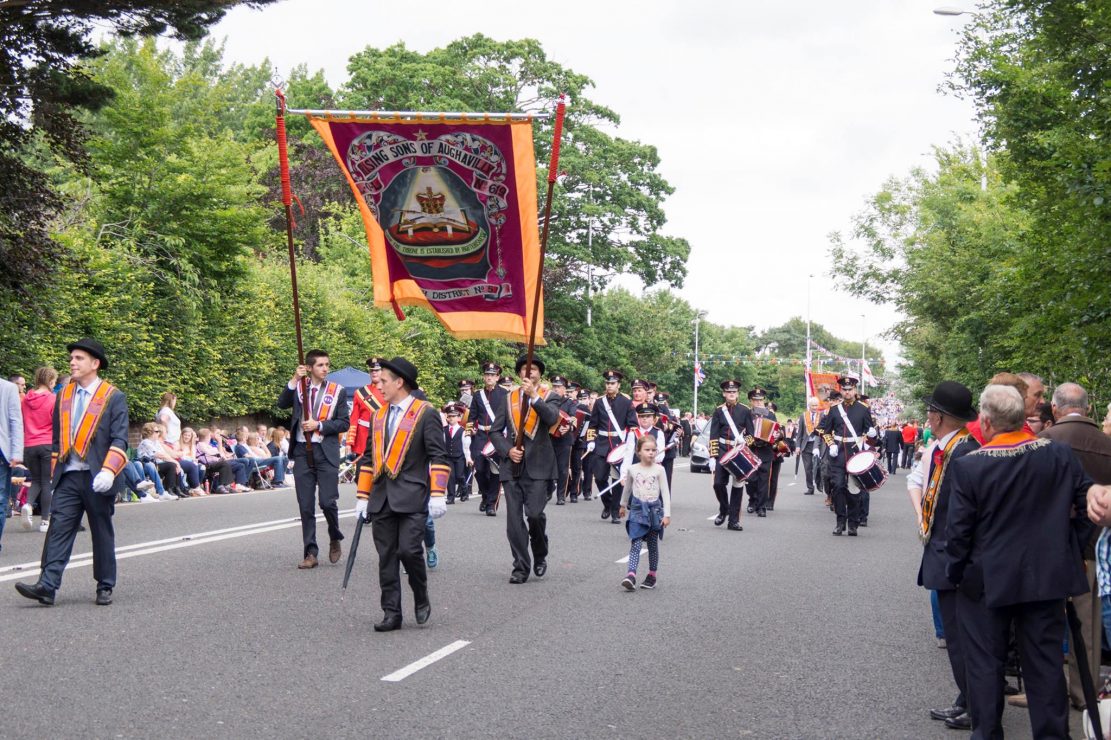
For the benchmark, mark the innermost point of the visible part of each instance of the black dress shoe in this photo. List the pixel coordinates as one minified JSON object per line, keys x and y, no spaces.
{"x":518,"y":578}
{"x":574,"y":499}
{"x":751,"y":509}
{"x":464,"y":497}
{"x":615,"y":519}
{"x":762,"y":513}
{"x":451,"y":500}
{"x":852,"y":531}
{"x":948,"y":713}
{"x":960,"y":722}
{"x":423,"y":611}
{"x":103,"y":596}
{"x":771,"y":507}
{"x":560,"y":502}
{"x":736,"y":527}
{"x":808,"y":493}
{"x":481,"y":507}
{"x":606,"y":514}
{"x":491,"y":511}
{"x":540,"y":567}
{"x":37,"y":592}
{"x":586,"y":497}
{"x":863,"y":523}
{"x":388,"y":624}
{"x":719,"y":519}
{"x":839,"y":531}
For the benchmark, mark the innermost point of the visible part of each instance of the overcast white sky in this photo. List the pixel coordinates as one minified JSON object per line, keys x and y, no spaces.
{"x":774,"y":120}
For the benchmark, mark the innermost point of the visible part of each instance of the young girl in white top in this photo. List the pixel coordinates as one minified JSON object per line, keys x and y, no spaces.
{"x":648,"y":501}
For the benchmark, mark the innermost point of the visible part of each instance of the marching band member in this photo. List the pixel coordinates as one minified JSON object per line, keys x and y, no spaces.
{"x":611,"y":416}
{"x":781,"y":449}
{"x":648,"y":415}
{"x":759,"y":485}
{"x":844,"y":430}
{"x":364,"y":402}
{"x":563,"y":438}
{"x":457,"y":452}
{"x":582,"y":462}
{"x":731,"y":425}
{"x":673,"y":433}
{"x":484,"y":408}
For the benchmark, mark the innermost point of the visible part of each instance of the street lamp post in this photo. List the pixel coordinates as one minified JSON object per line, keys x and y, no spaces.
{"x":697,"y":319}
{"x":863,"y":344}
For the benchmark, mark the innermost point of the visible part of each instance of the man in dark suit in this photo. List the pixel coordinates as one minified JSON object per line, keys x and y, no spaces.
{"x":948,"y":408}
{"x":807,"y":440}
{"x":328,"y":418}
{"x":892,"y":445}
{"x":1073,"y":427}
{"x":89,"y":451}
{"x":403,"y":480}
{"x":687,"y":437}
{"x":1014,"y":555}
{"x":528,"y":467}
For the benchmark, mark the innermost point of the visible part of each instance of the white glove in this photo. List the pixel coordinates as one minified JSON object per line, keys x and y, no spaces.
{"x":872,"y":433}
{"x":816,"y":452}
{"x":712,"y":464}
{"x":437,"y":507}
{"x":103,"y":481}
{"x":589,"y":447}
{"x":360,"y":508}
{"x":833,"y":450}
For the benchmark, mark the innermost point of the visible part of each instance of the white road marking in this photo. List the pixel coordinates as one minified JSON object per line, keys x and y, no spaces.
{"x":643,"y":551}
{"x":401,"y":675}
{"x":80,"y":560}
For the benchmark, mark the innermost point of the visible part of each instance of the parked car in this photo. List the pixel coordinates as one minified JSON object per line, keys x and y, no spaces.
{"x":700,"y":452}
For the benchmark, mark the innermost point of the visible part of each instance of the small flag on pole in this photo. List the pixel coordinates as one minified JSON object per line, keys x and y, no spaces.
{"x":867,"y":375}
{"x":699,"y":376}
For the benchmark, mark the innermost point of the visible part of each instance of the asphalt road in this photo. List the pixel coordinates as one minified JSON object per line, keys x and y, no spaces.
{"x":778,"y":631}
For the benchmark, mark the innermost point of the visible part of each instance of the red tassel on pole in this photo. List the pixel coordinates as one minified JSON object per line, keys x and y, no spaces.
{"x":287,"y":202}
{"x":553,"y":175}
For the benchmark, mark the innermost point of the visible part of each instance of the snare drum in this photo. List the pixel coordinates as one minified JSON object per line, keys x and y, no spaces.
{"x":616,"y":459}
{"x":488,"y":451}
{"x":765,"y":429}
{"x":866,"y":469}
{"x":740,"y":462}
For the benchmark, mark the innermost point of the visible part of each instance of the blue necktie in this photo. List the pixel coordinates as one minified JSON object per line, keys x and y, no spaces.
{"x":390,"y":416}
{"x":78,"y":410}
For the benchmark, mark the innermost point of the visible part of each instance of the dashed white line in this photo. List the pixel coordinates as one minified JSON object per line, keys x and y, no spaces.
{"x":402,"y":674}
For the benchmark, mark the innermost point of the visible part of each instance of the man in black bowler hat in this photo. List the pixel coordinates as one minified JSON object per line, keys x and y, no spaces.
{"x":527,"y":472}
{"x":89,"y":451}
{"x":403,"y":480}
{"x":948,"y":409}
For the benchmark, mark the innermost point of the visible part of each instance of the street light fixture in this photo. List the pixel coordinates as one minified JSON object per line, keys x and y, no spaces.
{"x":951,"y":11}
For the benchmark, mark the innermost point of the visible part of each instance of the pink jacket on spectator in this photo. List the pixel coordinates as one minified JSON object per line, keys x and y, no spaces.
{"x":38,"y":418}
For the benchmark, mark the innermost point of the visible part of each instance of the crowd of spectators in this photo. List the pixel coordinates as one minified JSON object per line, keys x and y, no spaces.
{"x":170,"y":462}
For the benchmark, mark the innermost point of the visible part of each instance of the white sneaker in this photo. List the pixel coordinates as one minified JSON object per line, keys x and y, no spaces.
{"x":44,"y":525}
{"x":167,"y":496}
{"x":25,"y":516}
{"x":145,"y":485}
{"x":148,"y":500}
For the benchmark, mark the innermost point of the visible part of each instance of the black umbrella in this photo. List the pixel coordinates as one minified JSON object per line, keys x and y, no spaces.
{"x":359,"y":522}
{"x":1081,"y":654}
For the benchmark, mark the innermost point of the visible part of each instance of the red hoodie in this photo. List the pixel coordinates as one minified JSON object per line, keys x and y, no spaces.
{"x":38,"y":418}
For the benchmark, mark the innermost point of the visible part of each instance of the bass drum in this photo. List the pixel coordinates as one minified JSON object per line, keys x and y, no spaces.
{"x":865,"y":468}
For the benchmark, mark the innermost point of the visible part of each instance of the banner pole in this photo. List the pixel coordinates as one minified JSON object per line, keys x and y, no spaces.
{"x":553,"y":174}
{"x":287,"y":201}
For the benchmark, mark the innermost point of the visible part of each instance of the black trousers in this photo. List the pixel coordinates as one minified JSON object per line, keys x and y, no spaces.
{"x":586,"y":477}
{"x":73,"y":497}
{"x":575,"y":477}
{"x":563,"y":469}
{"x":457,"y":477}
{"x":307,"y":480}
{"x":611,"y":500}
{"x":399,"y":538}
{"x":759,"y":485}
{"x":846,"y":505}
{"x":1039,"y":628}
{"x":729,"y":499}
{"x":773,"y":480}
{"x":954,"y":646}
{"x":37,"y":461}
{"x":908,"y":454}
{"x":669,"y":468}
{"x":526,"y":523}
{"x":808,"y":466}
{"x":486,"y":478}
{"x":892,"y":460}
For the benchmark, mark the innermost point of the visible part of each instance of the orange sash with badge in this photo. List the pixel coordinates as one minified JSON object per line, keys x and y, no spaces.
{"x":389,"y":461}
{"x":329,"y":398}
{"x":532,"y":419}
{"x":79,"y":441}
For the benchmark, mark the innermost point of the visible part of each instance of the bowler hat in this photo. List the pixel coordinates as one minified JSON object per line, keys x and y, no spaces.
{"x":93,"y":347}
{"x":536,"y":361}
{"x":403,"y":369}
{"x":952,"y":399}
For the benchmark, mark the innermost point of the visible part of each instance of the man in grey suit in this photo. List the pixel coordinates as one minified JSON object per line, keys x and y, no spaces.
{"x":403,"y":479}
{"x":89,"y":451}
{"x":328,"y":418}
{"x":527,"y":471}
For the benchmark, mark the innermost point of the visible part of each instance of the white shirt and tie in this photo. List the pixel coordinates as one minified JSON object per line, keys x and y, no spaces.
{"x":394,"y":415}
{"x":81,"y":397}
{"x":316,"y":393}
